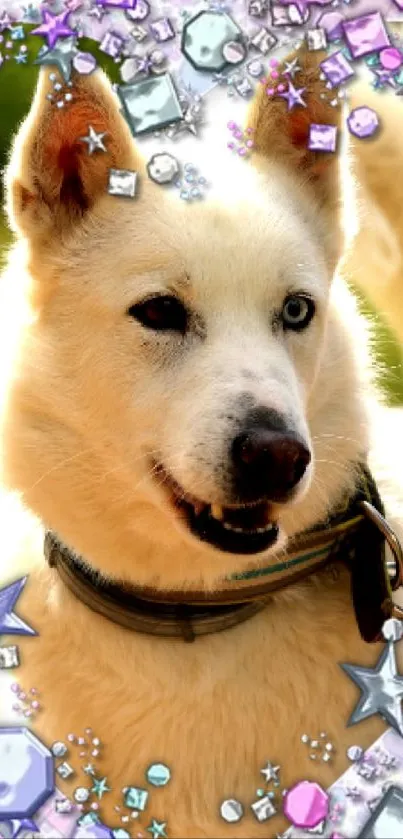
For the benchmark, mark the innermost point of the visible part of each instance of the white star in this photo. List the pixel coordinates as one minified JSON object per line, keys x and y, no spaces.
{"x":291,"y":68}
{"x":94,"y":140}
{"x":270,"y":772}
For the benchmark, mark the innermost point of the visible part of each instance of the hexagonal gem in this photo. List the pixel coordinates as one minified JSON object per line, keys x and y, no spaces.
{"x":306,"y":804}
{"x":158,"y":774}
{"x":363,"y":122}
{"x":203,"y":39}
{"x":27,"y":776}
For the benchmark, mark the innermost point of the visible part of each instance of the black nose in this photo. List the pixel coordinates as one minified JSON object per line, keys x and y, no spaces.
{"x":268,"y":463}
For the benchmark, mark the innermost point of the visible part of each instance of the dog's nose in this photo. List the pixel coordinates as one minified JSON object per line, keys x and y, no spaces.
{"x":268,"y":463}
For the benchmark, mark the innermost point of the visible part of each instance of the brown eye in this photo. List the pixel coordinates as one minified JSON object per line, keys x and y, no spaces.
{"x":163,"y":313}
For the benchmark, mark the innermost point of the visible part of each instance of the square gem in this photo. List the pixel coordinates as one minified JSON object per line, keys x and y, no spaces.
{"x":316,"y":39}
{"x":65,"y":770}
{"x":365,"y":34}
{"x":150,"y":104}
{"x":322,"y":137}
{"x":336,"y":68}
{"x":9,"y":657}
{"x":136,"y":798}
{"x":162,"y":30}
{"x":111,"y":44}
{"x":263,"y":808}
{"x":122,"y":182}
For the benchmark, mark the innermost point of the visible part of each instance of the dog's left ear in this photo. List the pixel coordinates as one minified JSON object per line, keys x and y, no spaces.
{"x":282,"y":134}
{"x":54,"y":178}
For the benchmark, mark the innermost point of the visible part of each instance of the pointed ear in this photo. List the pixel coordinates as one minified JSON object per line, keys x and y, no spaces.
{"x":283,"y":135}
{"x":52,"y":179}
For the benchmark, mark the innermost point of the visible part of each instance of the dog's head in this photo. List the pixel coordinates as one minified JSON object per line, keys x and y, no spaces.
{"x":161,"y":412}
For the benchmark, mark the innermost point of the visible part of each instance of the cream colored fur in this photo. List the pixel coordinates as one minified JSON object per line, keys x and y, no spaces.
{"x":88,"y":396}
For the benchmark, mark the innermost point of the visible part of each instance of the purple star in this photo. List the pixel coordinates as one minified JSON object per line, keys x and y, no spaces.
{"x":145,"y":65}
{"x":293,"y":96}
{"x":5,"y":21}
{"x":385,"y":77}
{"x":53,"y":27}
{"x":10,"y":623}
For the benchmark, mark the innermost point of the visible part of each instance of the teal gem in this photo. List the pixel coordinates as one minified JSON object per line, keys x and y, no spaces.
{"x":157,"y":829}
{"x":100,"y":787}
{"x":120,"y":833}
{"x":136,"y":798}
{"x":372,"y":60}
{"x":88,"y":818}
{"x":259,"y":792}
{"x":399,"y":77}
{"x":17,"y":33}
{"x":158,"y":774}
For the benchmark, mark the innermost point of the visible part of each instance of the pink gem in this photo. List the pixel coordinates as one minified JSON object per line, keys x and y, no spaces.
{"x":22,"y":695}
{"x":241,"y":152}
{"x":35,"y":705}
{"x":270,"y":91}
{"x":306,"y":804}
{"x":15,"y":687}
{"x":274,"y":74}
{"x":95,"y":806}
{"x":231,"y":125}
{"x":238,"y":134}
{"x":281,"y":88}
{"x":16,"y":707}
{"x":33,"y":691}
{"x":231,"y":146}
{"x":250,"y":144}
{"x":274,"y":62}
{"x":249,"y":130}
{"x":28,"y":713}
{"x":391,"y":58}
{"x":71,"y":738}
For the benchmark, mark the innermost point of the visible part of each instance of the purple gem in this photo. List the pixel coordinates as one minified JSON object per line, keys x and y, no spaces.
{"x":391,"y":58}
{"x":306,"y":804}
{"x":331,"y":22}
{"x":117,"y":4}
{"x":363,"y":122}
{"x":336,"y":68}
{"x":140,"y":10}
{"x":26,"y":773}
{"x":84,"y":63}
{"x":162,"y":30}
{"x":93,"y":831}
{"x":322,"y":137}
{"x":365,"y":34}
{"x":111,"y":44}
{"x":54,"y":27}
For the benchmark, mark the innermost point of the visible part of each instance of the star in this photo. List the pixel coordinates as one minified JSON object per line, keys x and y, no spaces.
{"x":31,"y":14}
{"x":291,"y":68}
{"x":145,"y":65}
{"x":94,"y":140}
{"x":270,"y":772}
{"x":381,"y":688}
{"x":61,"y":56}
{"x":5,"y":21}
{"x":89,"y":769}
{"x":100,"y":787}
{"x":21,"y":58}
{"x":53,"y":27}
{"x":385,"y":77}
{"x":293,"y":96}
{"x":10,"y":623}
{"x":157,"y":829}
{"x":98,"y":11}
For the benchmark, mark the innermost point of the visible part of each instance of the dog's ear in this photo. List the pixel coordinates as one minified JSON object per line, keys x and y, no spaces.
{"x":282,"y":134}
{"x":53,"y":179}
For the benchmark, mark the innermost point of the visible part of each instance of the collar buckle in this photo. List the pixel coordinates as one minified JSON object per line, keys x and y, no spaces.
{"x":393,"y":566}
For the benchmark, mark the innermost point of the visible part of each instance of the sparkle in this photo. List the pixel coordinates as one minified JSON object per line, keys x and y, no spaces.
{"x":293,"y":96}
{"x":10,"y":623}
{"x":381,"y":688}
{"x":270,"y":772}
{"x":100,"y":787}
{"x":53,"y":27}
{"x":157,"y":829}
{"x":5,"y":21}
{"x":94,"y":140}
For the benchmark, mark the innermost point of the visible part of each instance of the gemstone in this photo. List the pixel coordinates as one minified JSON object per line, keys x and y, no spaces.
{"x":117,"y":4}
{"x":158,"y":774}
{"x":255,"y":68}
{"x":290,"y":15}
{"x":363,"y":122}
{"x":63,"y":805}
{"x":136,"y":798}
{"x":243,"y":87}
{"x":58,"y":749}
{"x":65,"y":770}
{"x":162,"y":169}
{"x":263,"y":808}
{"x":129,"y":70}
{"x":150,"y":104}
{"x":332,"y":24}
{"x":204,"y":37}
{"x":263,"y":40}
{"x":111,"y":44}
{"x":316,"y":39}
{"x":234,"y":52}
{"x":322,"y":137}
{"x":365,"y":34}
{"x":231,"y":810}
{"x":392,"y":629}
{"x":140,"y":11}
{"x":93,"y":831}
{"x":139,"y":33}
{"x":120,"y":833}
{"x":162,"y":30}
{"x":336,"y":68}
{"x":26,"y":773}
{"x":88,"y":818}
{"x":9,"y":657}
{"x":386,"y":820}
{"x":84,"y":63}
{"x":306,"y":804}
{"x":81,"y":795}
{"x":391,"y":59}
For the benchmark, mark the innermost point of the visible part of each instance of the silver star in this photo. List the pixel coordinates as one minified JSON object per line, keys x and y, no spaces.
{"x":381,"y":687}
{"x":98,"y":11}
{"x":291,"y":68}
{"x":94,"y":140}
{"x":270,"y":772}
{"x":61,"y":56}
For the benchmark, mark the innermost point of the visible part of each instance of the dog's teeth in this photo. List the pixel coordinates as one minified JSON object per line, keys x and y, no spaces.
{"x":198,"y":507}
{"x":216,"y":511}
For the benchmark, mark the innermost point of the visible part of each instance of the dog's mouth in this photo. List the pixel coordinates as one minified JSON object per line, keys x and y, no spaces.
{"x":243,"y":529}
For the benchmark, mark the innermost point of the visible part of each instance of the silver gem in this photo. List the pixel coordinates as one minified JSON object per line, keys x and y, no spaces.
{"x":65,"y":770}
{"x":63,"y":805}
{"x":316,"y":39}
{"x":392,"y":630}
{"x":258,"y":8}
{"x":58,"y":749}
{"x":140,"y":11}
{"x":243,"y":87}
{"x":263,"y":40}
{"x":81,"y":795}
{"x":255,"y":68}
{"x":381,"y":689}
{"x":122,"y":182}
{"x":150,"y":104}
{"x":162,"y":168}
{"x":9,"y":657}
{"x":231,"y":810}
{"x":139,"y":33}
{"x":263,"y":808}
{"x":304,"y":738}
{"x":386,"y":819}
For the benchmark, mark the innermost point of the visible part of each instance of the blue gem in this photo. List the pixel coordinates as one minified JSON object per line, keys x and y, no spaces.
{"x":32,"y":778}
{"x":136,"y":798}
{"x":17,"y":33}
{"x":195,"y":192}
{"x":87,"y":819}
{"x":157,"y":829}
{"x":158,"y":774}
{"x":21,"y":58}
{"x":120,"y":833}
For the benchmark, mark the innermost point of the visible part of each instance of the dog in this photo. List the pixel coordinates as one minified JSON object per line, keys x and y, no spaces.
{"x":185,"y":391}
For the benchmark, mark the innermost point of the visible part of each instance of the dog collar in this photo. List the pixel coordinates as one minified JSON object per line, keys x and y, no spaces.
{"x":355,"y":533}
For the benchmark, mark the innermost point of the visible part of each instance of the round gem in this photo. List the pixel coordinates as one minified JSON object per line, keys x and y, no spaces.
{"x":306,"y":804}
{"x":355,"y":753}
{"x":234,"y":52}
{"x":363,"y":122}
{"x":162,"y":168}
{"x":158,"y":774}
{"x":391,"y":58}
{"x":255,"y":68}
{"x":231,"y":810}
{"x":392,"y":629}
{"x":81,"y":794}
{"x":58,"y":749}
{"x":84,"y":63}
{"x":140,"y":11}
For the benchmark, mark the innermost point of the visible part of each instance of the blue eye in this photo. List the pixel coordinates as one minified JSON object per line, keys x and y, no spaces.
{"x":298,"y":310}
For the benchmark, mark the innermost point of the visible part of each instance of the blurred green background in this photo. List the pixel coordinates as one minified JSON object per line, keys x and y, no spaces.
{"x":17,"y":83}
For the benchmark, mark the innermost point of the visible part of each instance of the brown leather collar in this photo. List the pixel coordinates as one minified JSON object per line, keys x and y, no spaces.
{"x":188,"y":614}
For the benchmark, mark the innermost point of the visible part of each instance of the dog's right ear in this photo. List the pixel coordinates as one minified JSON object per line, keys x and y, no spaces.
{"x":53,"y":180}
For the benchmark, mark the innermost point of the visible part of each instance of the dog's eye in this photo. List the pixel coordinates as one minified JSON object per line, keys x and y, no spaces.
{"x":298,"y":311}
{"x":163,"y":313}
